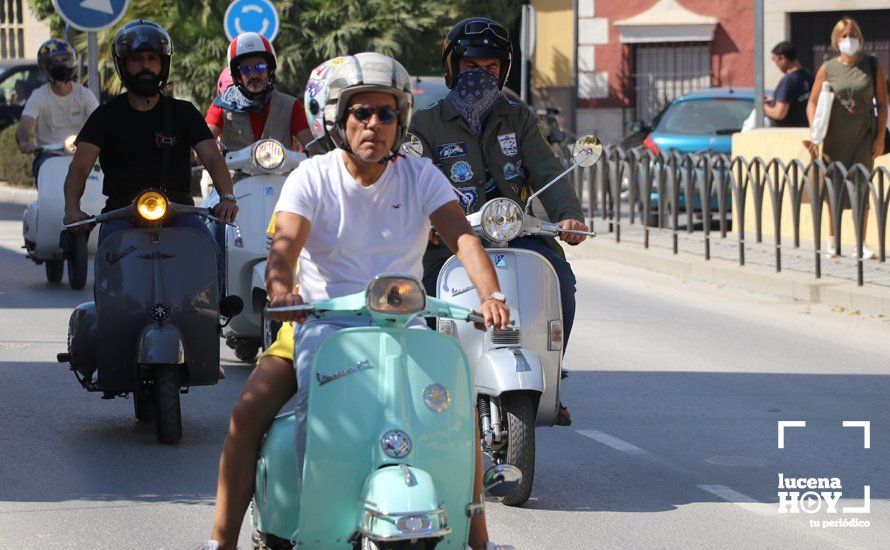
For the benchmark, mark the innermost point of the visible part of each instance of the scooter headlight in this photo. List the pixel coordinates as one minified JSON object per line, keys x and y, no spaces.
{"x":70,"y":146}
{"x":395,"y":294}
{"x":151,"y":205}
{"x":501,"y":220}
{"x":268,"y":154}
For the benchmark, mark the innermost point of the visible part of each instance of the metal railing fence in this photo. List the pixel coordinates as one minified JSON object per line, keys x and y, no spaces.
{"x":623,"y":182}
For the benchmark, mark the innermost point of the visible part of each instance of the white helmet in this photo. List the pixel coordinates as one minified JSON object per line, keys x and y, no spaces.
{"x":317,"y":95}
{"x":367,"y":72}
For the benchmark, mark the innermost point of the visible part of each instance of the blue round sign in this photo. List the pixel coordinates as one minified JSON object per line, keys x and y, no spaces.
{"x":258,"y":16}
{"x":91,"y":15}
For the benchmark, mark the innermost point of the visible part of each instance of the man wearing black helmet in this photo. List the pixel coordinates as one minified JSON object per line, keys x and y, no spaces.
{"x":144,"y":139}
{"x":489,"y":146}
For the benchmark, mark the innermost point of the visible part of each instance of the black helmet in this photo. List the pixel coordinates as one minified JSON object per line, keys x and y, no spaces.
{"x":141,"y":35}
{"x":477,"y":37}
{"x":56,"y":58}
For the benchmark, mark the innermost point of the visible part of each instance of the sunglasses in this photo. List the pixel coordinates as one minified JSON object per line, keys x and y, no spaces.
{"x":479,"y":27}
{"x":386,"y":115}
{"x":259,"y":68}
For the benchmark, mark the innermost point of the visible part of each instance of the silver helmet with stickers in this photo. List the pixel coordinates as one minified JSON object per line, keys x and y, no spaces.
{"x":367,"y":72}
{"x":316,"y":95}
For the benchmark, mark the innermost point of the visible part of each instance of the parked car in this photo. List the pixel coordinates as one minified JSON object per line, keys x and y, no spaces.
{"x":18,"y":80}
{"x":699,"y":122}
{"x":640,"y":130}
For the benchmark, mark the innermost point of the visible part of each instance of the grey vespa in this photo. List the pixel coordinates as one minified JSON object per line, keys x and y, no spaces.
{"x":153,"y":329}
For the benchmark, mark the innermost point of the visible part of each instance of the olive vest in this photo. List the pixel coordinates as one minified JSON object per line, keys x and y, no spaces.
{"x":237,"y":131}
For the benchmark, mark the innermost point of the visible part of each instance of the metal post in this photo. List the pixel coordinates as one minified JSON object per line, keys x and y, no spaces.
{"x":758,"y":62}
{"x":93,"y":61}
{"x":524,"y":42}
{"x":574,"y":99}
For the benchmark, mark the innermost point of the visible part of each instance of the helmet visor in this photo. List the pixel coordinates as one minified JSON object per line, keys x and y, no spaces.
{"x":479,"y":27}
{"x":143,"y":38}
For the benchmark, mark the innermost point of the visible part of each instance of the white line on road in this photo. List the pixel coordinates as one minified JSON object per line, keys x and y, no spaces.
{"x":740,"y":500}
{"x":612,"y":441}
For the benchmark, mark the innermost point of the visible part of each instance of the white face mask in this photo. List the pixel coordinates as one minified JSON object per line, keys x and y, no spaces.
{"x":848,"y":46}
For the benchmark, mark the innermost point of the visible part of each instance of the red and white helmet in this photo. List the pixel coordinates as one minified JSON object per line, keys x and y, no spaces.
{"x":248,"y":44}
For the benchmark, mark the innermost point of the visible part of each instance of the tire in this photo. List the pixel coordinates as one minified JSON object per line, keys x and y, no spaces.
{"x":166,"y":397}
{"x":246,"y":350}
{"x":368,"y":544}
{"x":263,"y":541}
{"x":78,"y":260}
{"x":270,"y":331}
{"x":143,"y":405}
{"x":54,"y":270}
{"x":518,"y":409}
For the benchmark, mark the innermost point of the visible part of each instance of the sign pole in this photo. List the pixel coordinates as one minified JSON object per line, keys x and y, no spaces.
{"x":758,"y":63}
{"x":93,"y":62}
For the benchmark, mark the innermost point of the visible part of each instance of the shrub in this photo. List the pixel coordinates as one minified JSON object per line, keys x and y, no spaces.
{"x":15,"y":167}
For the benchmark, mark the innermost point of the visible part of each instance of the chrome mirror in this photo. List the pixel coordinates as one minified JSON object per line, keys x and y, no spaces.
{"x":502,"y":480}
{"x":587,"y":150}
{"x":412,"y":147}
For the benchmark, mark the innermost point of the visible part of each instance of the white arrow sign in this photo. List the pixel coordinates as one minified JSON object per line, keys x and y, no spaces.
{"x":98,"y":5}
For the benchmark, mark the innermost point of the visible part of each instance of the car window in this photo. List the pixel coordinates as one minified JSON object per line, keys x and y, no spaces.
{"x":16,"y":86}
{"x":705,"y":116}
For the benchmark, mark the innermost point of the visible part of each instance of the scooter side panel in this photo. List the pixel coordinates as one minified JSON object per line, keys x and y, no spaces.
{"x":276,"y":500}
{"x":51,"y":205}
{"x":532,"y":289}
{"x":366,"y":382}
{"x":134,"y":274}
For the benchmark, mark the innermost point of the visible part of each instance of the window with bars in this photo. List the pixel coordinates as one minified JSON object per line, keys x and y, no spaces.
{"x":665,"y":71}
{"x":12,"y":29}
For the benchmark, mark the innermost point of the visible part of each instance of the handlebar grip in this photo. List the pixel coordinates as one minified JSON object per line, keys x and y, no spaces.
{"x":475,"y":317}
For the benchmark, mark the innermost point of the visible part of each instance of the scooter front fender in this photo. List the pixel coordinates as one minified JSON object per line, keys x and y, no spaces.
{"x":160,"y":344}
{"x":395,"y":493}
{"x":501,"y":370}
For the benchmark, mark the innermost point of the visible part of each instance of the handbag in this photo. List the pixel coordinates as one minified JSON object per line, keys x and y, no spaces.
{"x":823,"y":115}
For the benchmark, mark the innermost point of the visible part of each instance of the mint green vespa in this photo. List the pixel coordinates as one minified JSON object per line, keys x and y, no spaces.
{"x":390,"y":436}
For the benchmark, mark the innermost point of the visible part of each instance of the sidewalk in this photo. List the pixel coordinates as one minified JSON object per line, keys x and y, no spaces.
{"x":17,"y":195}
{"x":836,"y":288}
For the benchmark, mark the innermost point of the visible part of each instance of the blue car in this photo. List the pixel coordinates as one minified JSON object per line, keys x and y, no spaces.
{"x":699,"y":122}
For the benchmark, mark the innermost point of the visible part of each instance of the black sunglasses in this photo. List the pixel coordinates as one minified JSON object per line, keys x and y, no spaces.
{"x":386,"y":115}
{"x":479,"y":27}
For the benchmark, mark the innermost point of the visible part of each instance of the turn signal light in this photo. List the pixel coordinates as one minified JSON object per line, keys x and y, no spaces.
{"x":151,"y":205}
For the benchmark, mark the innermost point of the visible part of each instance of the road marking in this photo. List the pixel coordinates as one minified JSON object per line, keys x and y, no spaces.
{"x":743,"y":501}
{"x":612,"y":441}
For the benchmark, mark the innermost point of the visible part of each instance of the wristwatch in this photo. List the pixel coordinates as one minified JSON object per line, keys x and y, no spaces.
{"x":499,"y":296}
{"x":230,"y":197}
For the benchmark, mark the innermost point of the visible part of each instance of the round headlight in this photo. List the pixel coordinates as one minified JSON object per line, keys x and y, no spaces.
{"x":501,"y":220}
{"x":151,"y":205}
{"x":395,"y":294}
{"x":269,"y":154}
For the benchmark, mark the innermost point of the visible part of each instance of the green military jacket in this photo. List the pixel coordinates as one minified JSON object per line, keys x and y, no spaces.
{"x":513,"y":160}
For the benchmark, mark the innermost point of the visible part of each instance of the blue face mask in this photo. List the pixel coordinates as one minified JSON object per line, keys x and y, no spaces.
{"x":475,"y":95}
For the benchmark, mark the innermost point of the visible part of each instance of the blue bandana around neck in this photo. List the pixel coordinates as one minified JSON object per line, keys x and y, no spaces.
{"x":233,"y":100}
{"x":475,"y":95}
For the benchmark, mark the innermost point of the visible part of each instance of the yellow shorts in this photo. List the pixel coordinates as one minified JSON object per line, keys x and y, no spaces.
{"x":283,"y":346}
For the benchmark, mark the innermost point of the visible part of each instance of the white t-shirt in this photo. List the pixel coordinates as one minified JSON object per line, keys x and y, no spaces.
{"x":359,"y":232}
{"x":59,"y":116}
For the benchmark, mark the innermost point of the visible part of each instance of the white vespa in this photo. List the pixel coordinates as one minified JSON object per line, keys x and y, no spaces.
{"x":45,"y":240}
{"x":260,"y":171}
{"x":516,"y":371}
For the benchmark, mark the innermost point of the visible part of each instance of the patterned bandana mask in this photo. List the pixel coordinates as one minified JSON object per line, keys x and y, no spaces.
{"x":475,"y":95}
{"x":233,"y":100}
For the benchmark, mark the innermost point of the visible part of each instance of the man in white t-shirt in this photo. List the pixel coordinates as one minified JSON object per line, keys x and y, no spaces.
{"x":59,"y":108}
{"x":348,"y":215}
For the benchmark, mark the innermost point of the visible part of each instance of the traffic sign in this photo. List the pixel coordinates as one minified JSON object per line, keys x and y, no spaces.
{"x":258,"y":16}
{"x":91,"y":15}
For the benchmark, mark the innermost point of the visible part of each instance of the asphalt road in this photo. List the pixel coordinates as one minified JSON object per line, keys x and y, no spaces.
{"x":676,"y":391}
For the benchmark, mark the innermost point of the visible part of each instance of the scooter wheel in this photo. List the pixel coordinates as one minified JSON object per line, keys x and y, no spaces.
{"x":144,"y":406}
{"x":246,"y":351}
{"x":519,"y":411}
{"x":77,"y":260}
{"x":54,"y":270}
{"x":368,"y":544}
{"x":166,"y":394}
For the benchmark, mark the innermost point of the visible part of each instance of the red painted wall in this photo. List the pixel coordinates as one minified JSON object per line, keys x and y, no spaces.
{"x":732,"y":50}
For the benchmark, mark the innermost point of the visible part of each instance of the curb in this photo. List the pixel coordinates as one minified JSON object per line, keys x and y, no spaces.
{"x":873,"y":300}
{"x":17,"y":195}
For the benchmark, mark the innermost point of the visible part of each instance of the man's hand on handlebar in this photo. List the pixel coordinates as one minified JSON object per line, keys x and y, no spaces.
{"x":572,"y":238}
{"x":226,"y":211}
{"x":289,"y":299}
{"x":27,"y":148}
{"x":76,"y":215}
{"x":496,"y":314}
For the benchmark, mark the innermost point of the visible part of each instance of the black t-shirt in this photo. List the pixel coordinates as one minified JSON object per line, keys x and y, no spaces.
{"x":132,"y":144}
{"x":794,"y":89}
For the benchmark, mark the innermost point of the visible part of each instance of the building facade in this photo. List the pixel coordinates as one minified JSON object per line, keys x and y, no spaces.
{"x":21,"y":34}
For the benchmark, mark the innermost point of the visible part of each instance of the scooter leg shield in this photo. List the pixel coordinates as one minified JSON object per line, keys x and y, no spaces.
{"x":276,"y":505}
{"x":83,"y":340}
{"x":400,"y":502}
{"x":160,"y":344}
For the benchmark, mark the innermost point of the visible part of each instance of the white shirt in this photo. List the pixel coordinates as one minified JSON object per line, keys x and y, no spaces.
{"x":360,"y":232}
{"x":59,"y":116}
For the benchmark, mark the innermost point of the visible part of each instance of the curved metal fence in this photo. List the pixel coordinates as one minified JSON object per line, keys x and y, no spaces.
{"x":637,"y":186}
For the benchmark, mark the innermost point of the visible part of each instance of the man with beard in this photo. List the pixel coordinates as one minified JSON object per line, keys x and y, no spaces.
{"x":144,"y":139}
{"x":57,"y":109}
{"x":489,"y":146}
{"x":253,"y":109}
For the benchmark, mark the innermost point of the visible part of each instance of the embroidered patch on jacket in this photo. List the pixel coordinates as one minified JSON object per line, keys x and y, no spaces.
{"x":468,"y":196}
{"x":511,"y":172}
{"x":452,"y":150}
{"x":461,"y":171}
{"x":508,"y":144}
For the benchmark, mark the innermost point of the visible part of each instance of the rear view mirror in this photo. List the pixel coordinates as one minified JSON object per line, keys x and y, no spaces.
{"x":587,"y":150}
{"x":412,"y":147}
